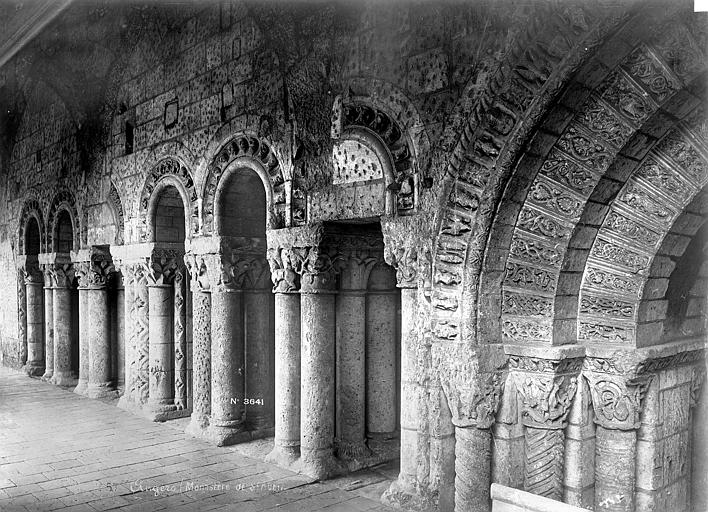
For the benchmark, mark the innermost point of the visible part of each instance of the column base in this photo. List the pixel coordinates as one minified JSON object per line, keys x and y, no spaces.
{"x":386,"y":445}
{"x":284,"y":456}
{"x":48,"y":374}
{"x":98,"y":391}
{"x":355,"y":455}
{"x":81,"y":387}
{"x":320,"y":466}
{"x":34,"y":369}
{"x":224,"y":436}
{"x":64,"y":379}
{"x":198,"y":427}
{"x":405,"y":497}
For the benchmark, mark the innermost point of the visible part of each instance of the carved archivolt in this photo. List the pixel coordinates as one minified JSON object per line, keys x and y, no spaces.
{"x":250,"y":151}
{"x":64,"y":200}
{"x":168,"y":171}
{"x":31,"y":209}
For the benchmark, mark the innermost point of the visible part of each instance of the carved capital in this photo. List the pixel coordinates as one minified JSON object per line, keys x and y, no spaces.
{"x":236,"y":269}
{"x":197,"y":266}
{"x":62,"y":274}
{"x":285,"y":267}
{"x":31,"y":272}
{"x":48,"y":275}
{"x":162,"y":265}
{"x":319,"y":269}
{"x":546,"y":388}
{"x":617,"y":399}
{"x":473,"y":395}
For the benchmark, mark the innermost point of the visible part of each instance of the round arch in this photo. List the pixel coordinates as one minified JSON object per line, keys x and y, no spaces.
{"x":168,"y":172}
{"x":63,"y":201}
{"x":30,"y":210}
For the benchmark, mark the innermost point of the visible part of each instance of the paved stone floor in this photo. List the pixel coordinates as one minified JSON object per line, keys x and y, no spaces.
{"x":63,"y":451}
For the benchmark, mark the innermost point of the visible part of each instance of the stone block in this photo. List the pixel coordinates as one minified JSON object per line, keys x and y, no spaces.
{"x":649,"y":471}
{"x":652,"y":310}
{"x":655,"y":288}
{"x":594,"y":213}
{"x":675,"y":245}
{"x":574,"y":260}
{"x":579,"y":463}
{"x":592,"y":73}
{"x":675,"y":409}
{"x":557,"y":119}
{"x":649,"y":333}
{"x":662,"y":266}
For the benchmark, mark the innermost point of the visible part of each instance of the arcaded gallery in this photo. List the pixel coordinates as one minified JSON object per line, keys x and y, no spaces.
{"x":420,"y":255}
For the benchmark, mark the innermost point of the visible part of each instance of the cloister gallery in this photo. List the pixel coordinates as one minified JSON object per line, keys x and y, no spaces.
{"x":468,"y":236}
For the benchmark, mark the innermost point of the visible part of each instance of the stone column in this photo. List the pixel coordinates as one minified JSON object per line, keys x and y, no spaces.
{"x":34,"y":284}
{"x":356,"y":265}
{"x":317,"y":388}
{"x":180,"y":340}
{"x":227,"y":349}
{"x":48,"y":323}
{"x":201,"y":345}
{"x":129,"y":352}
{"x":546,"y":388}
{"x":81,"y":269}
{"x":21,"y":317}
{"x":285,"y":269}
{"x":98,"y":325}
{"x":381,"y":355}
{"x":617,"y":402}
{"x":63,"y":275}
{"x":163,"y":266}
{"x":259,"y":340}
{"x":141,"y":334}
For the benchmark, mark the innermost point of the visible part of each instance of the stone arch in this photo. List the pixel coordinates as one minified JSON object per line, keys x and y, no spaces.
{"x":116,"y":206}
{"x":250,"y":151}
{"x":372,"y":136}
{"x":64,"y":201}
{"x":559,"y":185}
{"x":168,"y":172}
{"x":470,"y":182}
{"x":32,"y":209}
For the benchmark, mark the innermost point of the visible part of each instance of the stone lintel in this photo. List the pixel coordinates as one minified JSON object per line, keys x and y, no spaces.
{"x":54,"y":258}
{"x":544,"y":351}
{"x":301,"y":236}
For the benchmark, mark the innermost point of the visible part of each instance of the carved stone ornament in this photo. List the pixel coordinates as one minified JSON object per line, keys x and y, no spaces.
{"x":196,"y":264}
{"x":545,"y":399}
{"x":617,"y":399}
{"x":162,"y":265}
{"x":236,"y":269}
{"x":63,"y":274}
{"x":32,"y":273}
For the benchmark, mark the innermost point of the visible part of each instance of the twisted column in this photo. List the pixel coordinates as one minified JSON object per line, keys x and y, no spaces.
{"x":141,"y":334}
{"x":63,"y":276}
{"x":48,"y":323}
{"x":547,"y":388}
{"x":201,"y":345}
{"x":617,"y":400}
{"x":34,"y":285}
{"x":21,"y":316}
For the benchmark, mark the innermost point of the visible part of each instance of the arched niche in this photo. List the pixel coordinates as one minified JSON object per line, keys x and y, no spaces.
{"x":167,"y":173}
{"x":64,"y":228}
{"x":241,"y":200}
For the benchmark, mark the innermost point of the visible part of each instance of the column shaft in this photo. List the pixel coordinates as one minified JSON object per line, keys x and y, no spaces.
{"x":287,"y":379}
{"x":409,"y":390}
{"x":35,"y":328}
{"x":98,"y":328}
{"x":381,"y":365}
{"x":180,"y":342}
{"x":201,"y":304}
{"x":258,"y":319}
{"x":84,"y":320}
{"x":121,"y":340}
{"x":615,"y":465}
{"x":63,"y":374}
{"x":129,"y":351}
{"x":473,"y":469}
{"x":351,"y":374}
{"x":317,"y":384}
{"x":141,"y":371}
{"x":227,"y":366}
{"x":48,"y":332}
{"x":161,"y":387}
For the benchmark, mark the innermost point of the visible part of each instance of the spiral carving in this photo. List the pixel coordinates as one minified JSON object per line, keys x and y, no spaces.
{"x":201,"y":305}
{"x":142,"y":336}
{"x":543,"y":472}
{"x":180,"y":342}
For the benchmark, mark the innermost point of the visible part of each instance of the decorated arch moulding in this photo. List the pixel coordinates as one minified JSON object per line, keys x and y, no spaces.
{"x":31,"y":208}
{"x":536,"y":68}
{"x":375,"y":120}
{"x":116,"y":204}
{"x":553,"y":204}
{"x":246,"y":150}
{"x":64,"y":200}
{"x":167,"y":172}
